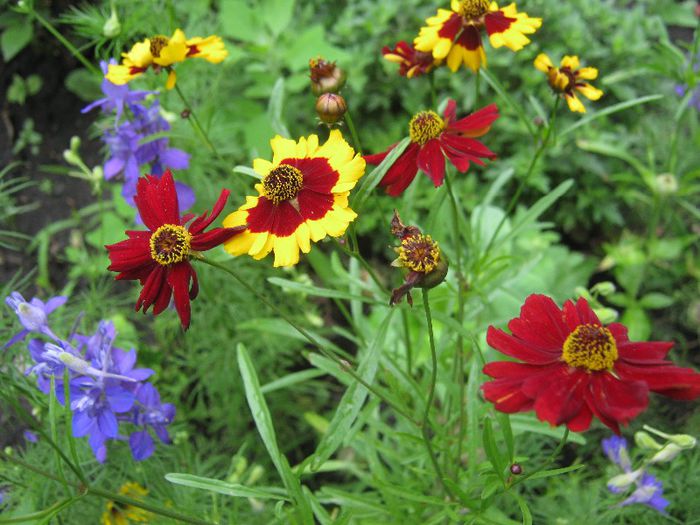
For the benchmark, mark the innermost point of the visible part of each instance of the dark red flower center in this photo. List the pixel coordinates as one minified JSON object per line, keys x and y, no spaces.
{"x":170,"y":244}
{"x":419,"y":253}
{"x":425,"y":126}
{"x":282,"y":183}
{"x":473,"y":9}
{"x":157,"y":44}
{"x":590,"y":346}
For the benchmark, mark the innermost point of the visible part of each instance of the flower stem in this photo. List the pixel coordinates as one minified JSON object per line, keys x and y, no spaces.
{"x":407,"y":342}
{"x":196,"y":124}
{"x":431,"y":394}
{"x":433,"y":92}
{"x":477,"y":78}
{"x":353,"y":132}
{"x":523,"y":182}
{"x":327,"y":353}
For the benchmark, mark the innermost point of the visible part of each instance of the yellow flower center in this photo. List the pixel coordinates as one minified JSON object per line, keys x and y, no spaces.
{"x":170,"y":244}
{"x":425,"y":126}
{"x":561,"y":79}
{"x":157,"y":44}
{"x":472,"y":9}
{"x":590,"y":346}
{"x":282,"y":183}
{"x":419,"y":253}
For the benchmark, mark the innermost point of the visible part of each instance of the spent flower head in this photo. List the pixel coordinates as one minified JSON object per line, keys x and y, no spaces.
{"x":569,"y":79}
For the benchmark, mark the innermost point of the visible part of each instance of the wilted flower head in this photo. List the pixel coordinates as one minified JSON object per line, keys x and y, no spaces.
{"x":326,"y":77}
{"x":570,"y":78}
{"x":420,"y":254}
{"x":412,"y":63}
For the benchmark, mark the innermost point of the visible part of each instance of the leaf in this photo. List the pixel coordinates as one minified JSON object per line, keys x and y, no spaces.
{"x":278,"y":14}
{"x":609,"y":111}
{"x":510,"y":101}
{"x":317,"y":291}
{"x":222,"y":487}
{"x":245,"y":170}
{"x":309,"y":43}
{"x":491,"y":449}
{"x":369,"y":182}
{"x":655,"y":300}
{"x":263,"y":422}
{"x":524,"y":509}
{"x":15,"y":38}
{"x":353,"y":399}
{"x":557,"y":471}
{"x":240,"y":21}
{"x":291,"y":379}
{"x":528,"y":423}
{"x":274,"y":107}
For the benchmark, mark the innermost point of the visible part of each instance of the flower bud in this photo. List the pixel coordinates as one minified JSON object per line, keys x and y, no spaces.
{"x":645,"y":441}
{"x":682,"y":440}
{"x":606,"y":315}
{"x":326,"y":77}
{"x":71,"y":157}
{"x":75,"y":143}
{"x":603,"y":288}
{"x":620,"y":482}
{"x":112,"y":27}
{"x":516,"y":469}
{"x":666,"y":454}
{"x":666,"y":184}
{"x":255,"y":474}
{"x":330,"y":108}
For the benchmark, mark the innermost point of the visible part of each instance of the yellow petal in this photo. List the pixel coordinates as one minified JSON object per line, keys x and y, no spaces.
{"x":570,"y":61}
{"x":140,"y":54}
{"x":286,"y":251}
{"x":282,"y":149}
{"x":543,"y":63}
{"x":575,"y":104}
{"x":589,"y":91}
{"x":172,"y":79}
{"x":587,"y":73}
{"x":262,"y":166}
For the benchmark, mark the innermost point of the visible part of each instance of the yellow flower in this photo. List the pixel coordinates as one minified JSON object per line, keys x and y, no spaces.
{"x":569,"y":78}
{"x":302,"y":198}
{"x":163,"y":52}
{"x":455,"y":35}
{"x":121,"y":514}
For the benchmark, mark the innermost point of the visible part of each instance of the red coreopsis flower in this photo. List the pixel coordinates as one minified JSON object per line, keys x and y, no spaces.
{"x":573,"y":368}
{"x":412,"y":63}
{"x":159,"y":257}
{"x":434,"y":137}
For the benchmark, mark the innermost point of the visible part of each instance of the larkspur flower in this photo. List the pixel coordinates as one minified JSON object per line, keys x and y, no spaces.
{"x":412,"y":63}
{"x":117,"y":513}
{"x":615,"y":447}
{"x":116,"y":97}
{"x":568,"y":79}
{"x":455,"y":35}
{"x":149,"y":413}
{"x":434,"y":137}
{"x":420,"y":255}
{"x":160,"y":257}
{"x":573,"y":367}
{"x":303,"y":197}
{"x":160,"y":52}
{"x":33,"y":315}
{"x":649,"y":492}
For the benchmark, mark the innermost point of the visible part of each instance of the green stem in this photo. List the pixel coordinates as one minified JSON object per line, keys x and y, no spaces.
{"x":68,"y":414}
{"x":431,"y":394}
{"x":407,"y":341}
{"x":355,"y":253}
{"x":196,"y":125}
{"x":353,"y":132}
{"x":63,"y":40}
{"x":125,"y":500}
{"x":523,"y":182}
{"x":327,"y":353}
{"x":477,"y":78}
{"x":433,"y":92}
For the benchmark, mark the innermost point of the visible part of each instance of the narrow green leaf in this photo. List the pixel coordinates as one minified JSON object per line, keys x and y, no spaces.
{"x":557,"y":471}
{"x":15,"y":38}
{"x":222,"y":487}
{"x":524,"y":509}
{"x":609,"y":111}
{"x":528,"y":423}
{"x":276,"y":103}
{"x":263,"y":422}
{"x":291,"y":379}
{"x":369,"y":182}
{"x":317,"y":291}
{"x":246,"y":170}
{"x":510,"y":101}
{"x":504,"y":424}
{"x":491,"y":449}
{"x":353,"y":399}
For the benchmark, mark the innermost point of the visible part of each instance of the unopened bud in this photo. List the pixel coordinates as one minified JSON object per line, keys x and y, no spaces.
{"x":75,"y":143}
{"x":603,"y":288}
{"x":666,"y":184}
{"x":644,"y":440}
{"x":112,"y":27}
{"x":330,"y":108}
{"x":606,"y":315}
{"x":516,"y":469}
{"x":185,"y":113}
{"x":666,"y":454}
{"x":620,"y":482}
{"x":71,"y":157}
{"x":682,"y":440}
{"x":255,"y":474}
{"x":326,"y":77}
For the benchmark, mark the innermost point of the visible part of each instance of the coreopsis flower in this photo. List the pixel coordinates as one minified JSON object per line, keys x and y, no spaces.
{"x":569,"y":78}
{"x":160,"y":257}
{"x":160,"y":52}
{"x":455,"y":35}
{"x":412,"y":63}
{"x":420,"y":255}
{"x":302,"y":198}
{"x":32,"y":315}
{"x":572,"y":367}
{"x":117,"y":513}
{"x":326,"y":76}
{"x":432,"y":138}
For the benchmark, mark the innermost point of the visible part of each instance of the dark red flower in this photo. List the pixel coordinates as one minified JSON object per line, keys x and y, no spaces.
{"x":574,"y":368}
{"x":159,"y":258}
{"x":433,"y":137}
{"x":412,"y":63}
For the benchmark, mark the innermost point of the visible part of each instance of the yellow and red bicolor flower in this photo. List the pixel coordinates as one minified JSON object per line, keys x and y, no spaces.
{"x":569,"y":78}
{"x":412,"y":63}
{"x":117,"y":513}
{"x":455,"y":35}
{"x":302,"y":198}
{"x":163,"y":52}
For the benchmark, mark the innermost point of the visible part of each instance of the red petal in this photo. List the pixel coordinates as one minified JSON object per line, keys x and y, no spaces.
{"x":179,"y":280}
{"x":203,"y":221}
{"x":581,"y":313}
{"x":451,"y":27}
{"x":208,"y":240}
{"x":402,"y":172}
{"x":469,"y":39}
{"x":615,"y":401}
{"x":432,"y":161}
{"x":667,"y":379}
{"x":476,"y":124}
{"x":318,"y":174}
{"x":497,"y":22}
{"x":450,"y":113}
{"x":521,"y":349}
{"x":652,"y":352}
{"x":151,"y":288}
{"x":156,"y":200}
{"x":377,"y":158}
{"x":540,"y":324}
{"x":560,"y":395}
{"x":281,"y":219}
{"x":313,"y":205}
{"x":582,"y":420}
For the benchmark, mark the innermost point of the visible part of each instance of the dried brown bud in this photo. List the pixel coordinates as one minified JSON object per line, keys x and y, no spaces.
{"x":516,"y":469}
{"x":330,"y":108}
{"x":326,"y":77}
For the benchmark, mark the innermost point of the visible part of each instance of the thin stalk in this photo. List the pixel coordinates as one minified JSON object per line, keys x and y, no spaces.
{"x":63,"y":40}
{"x":407,"y":341}
{"x":523,"y":182}
{"x":477,"y":78}
{"x":433,"y":92}
{"x":69,"y":425}
{"x":94,"y":491}
{"x":355,"y":253}
{"x":327,"y":353}
{"x":431,"y":394}
{"x":353,"y":132}
{"x":196,"y":124}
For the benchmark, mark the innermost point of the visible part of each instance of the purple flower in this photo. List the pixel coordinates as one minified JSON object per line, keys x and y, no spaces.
{"x":116,"y":97}
{"x":615,"y":447}
{"x":48,"y":363}
{"x":33,"y":315}
{"x":649,"y":492}
{"x":149,"y":413}
{"x":30,"y":436}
